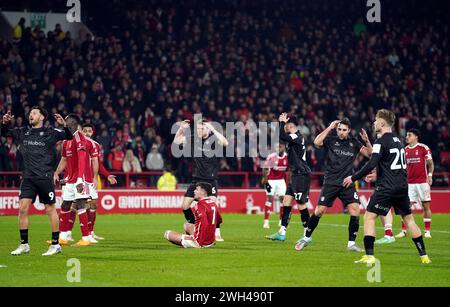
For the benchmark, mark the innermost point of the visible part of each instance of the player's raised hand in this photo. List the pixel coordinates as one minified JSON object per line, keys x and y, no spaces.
{"x":209,"y":126}
{"x":334,"y":124}
{"x":371,"y":177}
{"x":364,"y":136}
{"x":283,"y":117}
{"x":347,"y":181}
{"x":185,"y":124}
{"x":59,"y":119}
{"x":112,"y":179}
{"x":7,"y":117}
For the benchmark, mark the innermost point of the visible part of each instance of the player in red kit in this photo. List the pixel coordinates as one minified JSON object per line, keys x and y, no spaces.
{"x":275,"y":168}
{"x":420,"y":167}
{"x":75,"y":161}
{"x":88,"y":131}
{"x":207,"y":217}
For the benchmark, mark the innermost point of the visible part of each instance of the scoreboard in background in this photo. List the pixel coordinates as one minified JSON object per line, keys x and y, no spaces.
{"x":230,"y":201}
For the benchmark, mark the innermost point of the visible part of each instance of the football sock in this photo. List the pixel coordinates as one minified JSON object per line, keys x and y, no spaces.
{"x":353,"y":227}
{"x":388,"y":230}
{"x":267,"y":210}
{"x":427,"y":223}
{"x":88,"y":212}
{"x":189,"y":216}
{"x":420,"y":245}
{"x":304,"y":215}
{"x":403,"y":227}
{"x":24,"y":236}
{"x":313,"y":222}
{"x":72,"y":218}
{"x":83,"y":218}
{"x":368,"y":245}
{"x":92,"y":215}
{"x":55,"y":237}
{"x":286,"y":216}
{"x":64,"y":221}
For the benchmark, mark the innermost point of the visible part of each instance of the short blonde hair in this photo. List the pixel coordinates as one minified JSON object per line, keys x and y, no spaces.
{"x":388,"y":116}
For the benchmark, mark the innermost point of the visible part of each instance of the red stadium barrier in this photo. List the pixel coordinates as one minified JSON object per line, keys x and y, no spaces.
{"x":230,"y":201}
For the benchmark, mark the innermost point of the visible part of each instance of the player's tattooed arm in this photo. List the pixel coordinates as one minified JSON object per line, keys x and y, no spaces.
{"x":430,"y":169}
{"x":180,"y":137}
{"x":318,"y":141}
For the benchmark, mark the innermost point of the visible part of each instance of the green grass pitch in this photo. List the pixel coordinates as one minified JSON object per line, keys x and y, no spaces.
{"x":136,"y":254}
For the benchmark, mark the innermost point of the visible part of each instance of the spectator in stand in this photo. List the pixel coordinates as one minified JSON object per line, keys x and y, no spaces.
{"x":116,"y":159}
{"x":19,"y":29}
{"x":167,"y":182}
{"x":131,"y":165}
{"x":154,"y":162}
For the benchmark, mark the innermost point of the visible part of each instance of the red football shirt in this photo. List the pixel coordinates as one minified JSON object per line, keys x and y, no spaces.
{"x":207,"y":217}
{"x":416,"y":162}
{"x":101,"y":168}
{"x":277,"y":166}
{"x":92,"y":153}
{"x":75,"y":153}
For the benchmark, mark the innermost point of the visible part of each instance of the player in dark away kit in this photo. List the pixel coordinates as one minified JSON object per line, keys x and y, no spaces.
{"x":37,"y":146}
{"x":388,"y":156}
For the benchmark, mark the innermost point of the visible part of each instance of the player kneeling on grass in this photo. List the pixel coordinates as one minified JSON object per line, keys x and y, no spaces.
{"x":207,"y":216}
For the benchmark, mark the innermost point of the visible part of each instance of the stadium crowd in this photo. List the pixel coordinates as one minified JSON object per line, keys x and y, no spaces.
{"x":231,"y":61}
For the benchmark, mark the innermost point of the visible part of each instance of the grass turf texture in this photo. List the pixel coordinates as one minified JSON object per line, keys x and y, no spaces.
{"x":136,"y":254}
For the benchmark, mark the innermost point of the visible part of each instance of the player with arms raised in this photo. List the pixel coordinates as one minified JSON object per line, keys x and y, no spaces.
{"x":298,"y":188}
{"x":37,"y":146}
{"x":205,"y":167}
{"x":388,"y":156}
{"x":341,"y":152}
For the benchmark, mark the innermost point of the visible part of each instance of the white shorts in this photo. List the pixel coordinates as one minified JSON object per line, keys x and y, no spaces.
{"x":92,"y":191}
{"x":419,"y":192}
{"x":278,"y":187}
{"x":70,"y":193}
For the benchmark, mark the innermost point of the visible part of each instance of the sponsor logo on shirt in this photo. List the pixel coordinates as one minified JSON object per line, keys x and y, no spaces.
{"x":33,"y":143}
{"x":343,"y":152}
